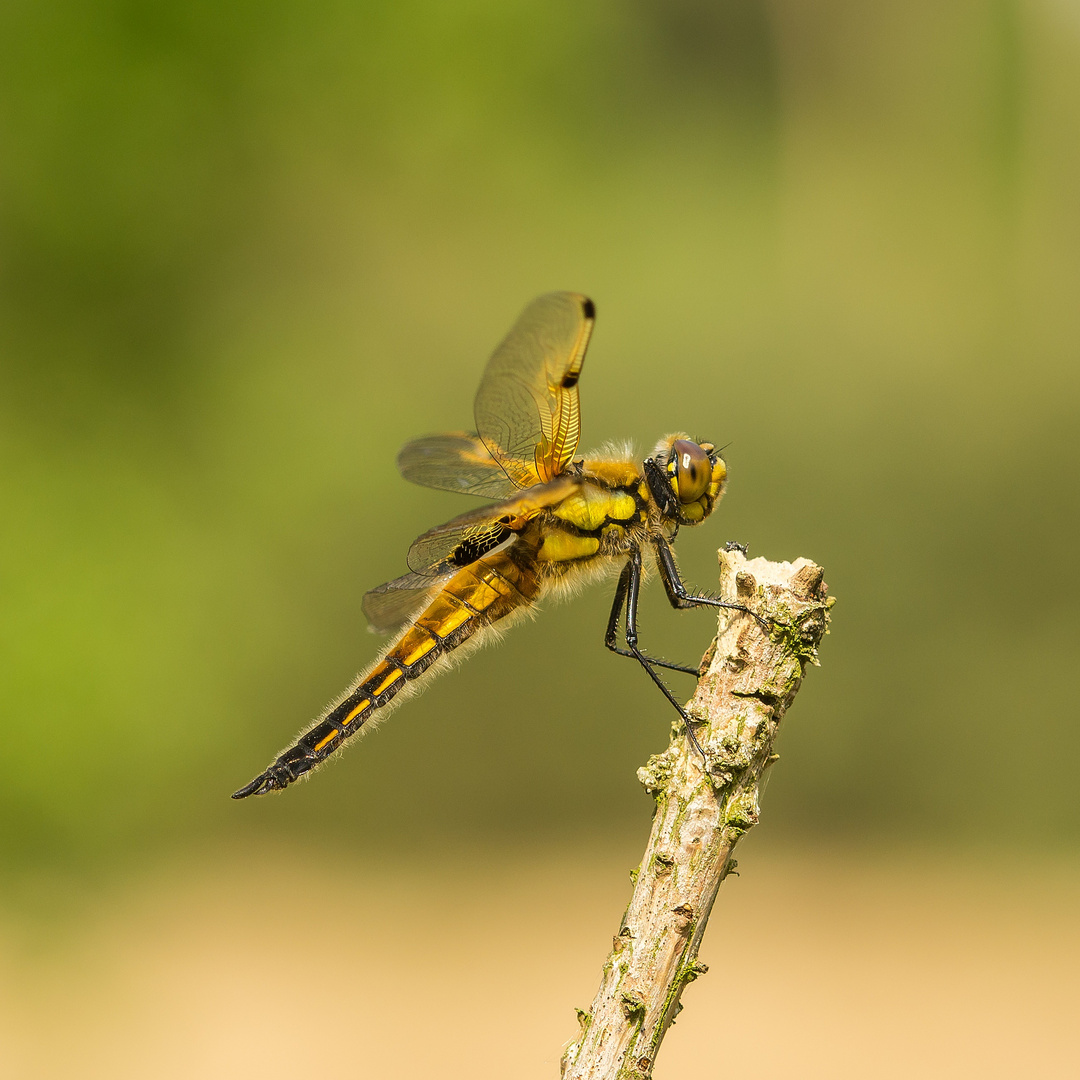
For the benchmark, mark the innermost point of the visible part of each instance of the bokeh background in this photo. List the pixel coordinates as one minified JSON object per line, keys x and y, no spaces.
{"x":247,"y":250}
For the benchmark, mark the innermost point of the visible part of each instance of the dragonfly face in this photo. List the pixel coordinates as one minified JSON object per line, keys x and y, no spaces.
{"x":685,"y":478}
{"x":555,"y":519}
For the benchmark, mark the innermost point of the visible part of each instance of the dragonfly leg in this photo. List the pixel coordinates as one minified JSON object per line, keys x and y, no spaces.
{"x":680,"y":597}
{"x":632,"y":573}
{"x":611,"y":636}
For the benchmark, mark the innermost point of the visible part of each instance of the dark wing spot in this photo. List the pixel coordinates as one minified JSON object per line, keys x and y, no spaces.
{"x":570,"y":380}
{"x":589,"y":308}
{"x":470,"y":549}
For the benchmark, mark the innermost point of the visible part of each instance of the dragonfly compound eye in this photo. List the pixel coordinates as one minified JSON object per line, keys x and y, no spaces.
{"x":693,"y":470}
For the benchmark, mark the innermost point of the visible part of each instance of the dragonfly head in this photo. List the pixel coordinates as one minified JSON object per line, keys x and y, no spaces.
{"x":686,"y":478}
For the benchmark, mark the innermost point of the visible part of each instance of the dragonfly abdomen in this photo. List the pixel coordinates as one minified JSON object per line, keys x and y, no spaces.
{"x":478,"y":595}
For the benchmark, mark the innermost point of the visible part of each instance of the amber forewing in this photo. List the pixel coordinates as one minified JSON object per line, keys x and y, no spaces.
{"x":527,"y":409}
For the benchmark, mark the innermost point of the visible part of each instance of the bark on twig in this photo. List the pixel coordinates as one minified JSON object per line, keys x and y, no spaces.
{"x":750,"y":678}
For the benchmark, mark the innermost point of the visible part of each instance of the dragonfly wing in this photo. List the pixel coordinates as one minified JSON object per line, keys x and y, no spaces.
{"x":455,"y":461}
{"x":467,"y":537}
{"x":391,"y":606}
{"x":526,"y":409}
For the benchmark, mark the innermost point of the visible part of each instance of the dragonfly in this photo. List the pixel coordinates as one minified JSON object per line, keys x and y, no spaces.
{"x":557,"y":521}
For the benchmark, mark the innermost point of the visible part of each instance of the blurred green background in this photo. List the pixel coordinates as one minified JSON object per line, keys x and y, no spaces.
{"x":247,"y":250}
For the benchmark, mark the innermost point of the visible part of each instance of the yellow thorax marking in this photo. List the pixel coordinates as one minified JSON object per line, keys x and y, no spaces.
{"x":590,"y":507}
{"x":558,"y":546}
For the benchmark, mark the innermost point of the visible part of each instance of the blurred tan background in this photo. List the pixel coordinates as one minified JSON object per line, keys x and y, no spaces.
{"x":247,"y":250}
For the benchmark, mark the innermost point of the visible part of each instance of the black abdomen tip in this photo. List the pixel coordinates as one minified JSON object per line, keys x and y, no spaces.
{"x":259,"y":786}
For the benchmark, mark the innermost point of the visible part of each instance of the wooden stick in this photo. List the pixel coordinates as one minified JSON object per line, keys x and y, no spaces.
{"x":751,"y":676}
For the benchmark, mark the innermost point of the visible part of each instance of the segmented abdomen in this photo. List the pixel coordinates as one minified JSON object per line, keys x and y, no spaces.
{"x":476,"y":596}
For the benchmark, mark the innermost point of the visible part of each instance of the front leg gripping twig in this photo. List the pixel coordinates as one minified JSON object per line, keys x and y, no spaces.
{"x":701,"y":810}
